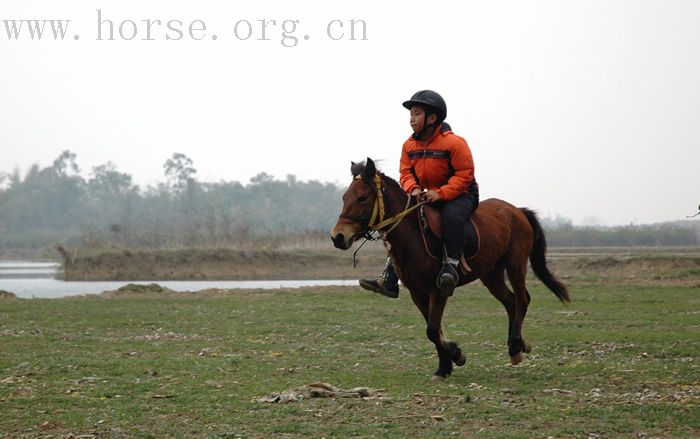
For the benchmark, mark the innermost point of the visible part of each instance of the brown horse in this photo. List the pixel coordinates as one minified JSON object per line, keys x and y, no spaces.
{"x":509,"y":237}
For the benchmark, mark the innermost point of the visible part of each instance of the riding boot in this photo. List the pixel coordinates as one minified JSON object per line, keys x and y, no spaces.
{"x":448,"y":277}
{"x":387,"y":284}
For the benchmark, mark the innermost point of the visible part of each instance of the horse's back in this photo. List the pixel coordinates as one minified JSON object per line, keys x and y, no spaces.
{"x":493,"y":208}
{"x":498,"y":222}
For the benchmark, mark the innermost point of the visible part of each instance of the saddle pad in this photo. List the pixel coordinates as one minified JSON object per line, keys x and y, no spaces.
{"x":471,"y":231}
{"x":473,"y":239}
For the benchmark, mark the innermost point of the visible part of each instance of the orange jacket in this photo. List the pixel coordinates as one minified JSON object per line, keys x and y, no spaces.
{"x":444,"y":163}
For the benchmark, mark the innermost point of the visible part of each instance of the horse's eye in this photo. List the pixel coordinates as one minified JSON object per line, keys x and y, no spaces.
{"x":362,"y":199}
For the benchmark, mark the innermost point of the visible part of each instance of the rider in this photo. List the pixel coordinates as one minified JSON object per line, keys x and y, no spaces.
{"x":436,"y":165}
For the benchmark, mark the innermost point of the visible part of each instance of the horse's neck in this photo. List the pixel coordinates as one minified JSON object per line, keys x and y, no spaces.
{"x":395,"y":198}
{"x":405,"y":239}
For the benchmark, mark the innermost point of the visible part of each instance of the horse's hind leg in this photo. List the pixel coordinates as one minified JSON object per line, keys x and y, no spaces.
{"x":516,"y":343}
{"x":495,"y":282}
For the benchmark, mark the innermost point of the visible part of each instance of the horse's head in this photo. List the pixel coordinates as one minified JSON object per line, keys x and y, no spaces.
{"x":360,"y":205}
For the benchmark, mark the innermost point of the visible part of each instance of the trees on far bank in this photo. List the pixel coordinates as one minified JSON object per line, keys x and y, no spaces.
{"x":56,"y":204}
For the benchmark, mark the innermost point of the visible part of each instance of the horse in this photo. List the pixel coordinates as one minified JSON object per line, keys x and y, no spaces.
{"x":509,"y":236}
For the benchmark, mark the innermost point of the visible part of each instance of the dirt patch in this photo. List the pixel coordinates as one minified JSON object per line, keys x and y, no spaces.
{"x":138,"y":290}
{"x":7,"y":295}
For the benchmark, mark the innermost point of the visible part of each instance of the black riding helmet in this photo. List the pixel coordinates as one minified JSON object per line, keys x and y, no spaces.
{"x":431,"y":101}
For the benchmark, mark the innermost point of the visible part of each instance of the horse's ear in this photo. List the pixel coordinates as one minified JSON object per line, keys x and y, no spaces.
{"x":356,"y":168}
{"x":370,"y":170}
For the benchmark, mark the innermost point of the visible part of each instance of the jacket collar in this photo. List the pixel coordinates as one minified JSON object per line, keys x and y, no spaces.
{"x":441,"y":130}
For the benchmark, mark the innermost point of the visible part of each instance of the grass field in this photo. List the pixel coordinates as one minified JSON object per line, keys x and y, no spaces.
{"x":617,"y":362}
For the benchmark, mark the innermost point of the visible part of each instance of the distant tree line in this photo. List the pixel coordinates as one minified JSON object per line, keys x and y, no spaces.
{"x":562,"y":233}
{"x":56,"y":204}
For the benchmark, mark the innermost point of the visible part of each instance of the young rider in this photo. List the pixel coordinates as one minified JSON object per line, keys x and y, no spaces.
{"x":436,"y":165}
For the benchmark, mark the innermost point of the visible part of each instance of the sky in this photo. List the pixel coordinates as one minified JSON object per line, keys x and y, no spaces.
{"x":585,"y":110}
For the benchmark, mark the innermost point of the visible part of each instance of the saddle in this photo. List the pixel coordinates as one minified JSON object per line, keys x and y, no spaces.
{"x":431,"y":221}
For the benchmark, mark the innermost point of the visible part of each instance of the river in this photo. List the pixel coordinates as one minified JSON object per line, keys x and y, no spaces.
{"x":37,"y":280}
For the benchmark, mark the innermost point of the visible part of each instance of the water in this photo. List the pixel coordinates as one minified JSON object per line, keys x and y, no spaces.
{"x":28,"y":270}
{"x":37,"y":280}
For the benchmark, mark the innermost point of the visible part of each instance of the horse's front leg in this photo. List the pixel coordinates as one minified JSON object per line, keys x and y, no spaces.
{"x":448,"y":352}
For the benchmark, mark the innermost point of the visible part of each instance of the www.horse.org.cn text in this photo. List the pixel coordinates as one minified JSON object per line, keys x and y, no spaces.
{"x":287,"y":32}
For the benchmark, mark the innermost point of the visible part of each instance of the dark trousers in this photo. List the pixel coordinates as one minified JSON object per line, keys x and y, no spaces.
{"x":455,"y":214}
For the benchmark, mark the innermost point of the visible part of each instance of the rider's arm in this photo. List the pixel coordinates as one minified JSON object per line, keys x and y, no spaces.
{"x":463,"y":165}
{"x":408,"y":180}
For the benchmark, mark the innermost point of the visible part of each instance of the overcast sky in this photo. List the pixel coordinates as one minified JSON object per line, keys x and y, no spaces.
{"x":587,"y":109}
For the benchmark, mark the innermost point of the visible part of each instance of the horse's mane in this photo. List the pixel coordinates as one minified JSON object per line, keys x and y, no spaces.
{"x":391,"y":182}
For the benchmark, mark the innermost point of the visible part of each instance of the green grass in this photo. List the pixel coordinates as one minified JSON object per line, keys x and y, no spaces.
{"x":618,"y":361}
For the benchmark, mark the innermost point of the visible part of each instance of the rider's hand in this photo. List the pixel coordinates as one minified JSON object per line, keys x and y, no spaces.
{"x":432,"y":196}
{"x":416,"y":192}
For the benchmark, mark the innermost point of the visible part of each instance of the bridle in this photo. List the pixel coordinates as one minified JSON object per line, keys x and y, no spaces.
{"x":377,"y":221}
{"x":378,"y":211}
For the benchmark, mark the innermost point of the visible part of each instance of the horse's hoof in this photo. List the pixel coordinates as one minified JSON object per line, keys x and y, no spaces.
{"x":438,"y":379}
{"x":516,"y":359}
{"x":461,"y":360}
{"x":526,"y":347}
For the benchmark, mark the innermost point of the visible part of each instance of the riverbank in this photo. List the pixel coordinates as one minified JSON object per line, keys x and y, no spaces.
{"x":220,"y":264}
{"x":678,"y":266}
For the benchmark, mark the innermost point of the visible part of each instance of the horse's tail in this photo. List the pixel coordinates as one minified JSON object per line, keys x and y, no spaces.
{"x":538,"y":261}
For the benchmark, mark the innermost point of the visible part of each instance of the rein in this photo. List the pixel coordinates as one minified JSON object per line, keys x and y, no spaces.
{"x":396,"y":219}
{"x":380,"y":211}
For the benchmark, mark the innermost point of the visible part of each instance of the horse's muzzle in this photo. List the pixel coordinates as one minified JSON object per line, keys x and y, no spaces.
{"x":344,"y":234}
{"x":340,"y":242}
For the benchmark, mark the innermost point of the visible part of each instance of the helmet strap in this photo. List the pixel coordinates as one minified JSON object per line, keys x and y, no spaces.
{"x":427,"y":126}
